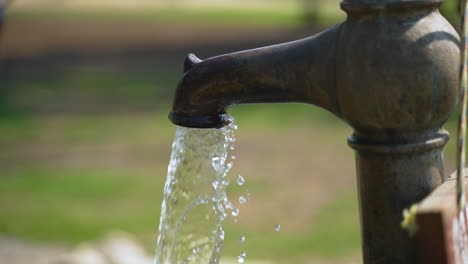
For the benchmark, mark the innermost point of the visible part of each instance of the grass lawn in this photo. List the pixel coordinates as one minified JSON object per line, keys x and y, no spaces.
{"x":288,"y":13}
{"x":284,"y":14}
{"x":68,"y":179}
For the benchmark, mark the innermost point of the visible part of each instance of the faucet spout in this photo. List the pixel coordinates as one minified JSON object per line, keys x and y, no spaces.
{"x":301,"y":71}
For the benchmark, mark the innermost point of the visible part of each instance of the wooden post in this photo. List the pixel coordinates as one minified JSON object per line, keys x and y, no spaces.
{"x":441,"y":229}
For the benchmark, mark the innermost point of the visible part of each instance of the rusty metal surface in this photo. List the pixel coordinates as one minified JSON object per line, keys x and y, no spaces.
{"x":299,"y":71}
{"x":390,"y":71}
{"x":365,"y":5}
{"x":389,"y":182}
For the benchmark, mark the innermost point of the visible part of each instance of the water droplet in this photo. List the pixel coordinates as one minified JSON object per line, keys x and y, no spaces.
{"x":235,"y":212}
{"x":223,"y":216}
{"x":240,"y":180}
{"x":196,"y":250}
{"x":217,"y":164}
{"x":242,"y":239}
{"x":231,"y":147}
{"x":221,"y":233}
{"x":241,"y":257}
{"x":233,"y":157}
{"x":277,"y":227}
{"x":235,"y":127}
{"x":242,"y":200}
{"x":229,"y":205}
{"x":215,"y":185}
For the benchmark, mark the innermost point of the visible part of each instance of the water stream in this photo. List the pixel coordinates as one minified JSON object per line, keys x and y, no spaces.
{"x":195,"y":202}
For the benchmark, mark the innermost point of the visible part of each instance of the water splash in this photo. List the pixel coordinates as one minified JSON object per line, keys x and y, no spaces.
{"x":195,"y":201}
{"x":277,"y":227}
{"x":241,"y":257}
{"x":242,"y":200}
{"x":240,"y":180}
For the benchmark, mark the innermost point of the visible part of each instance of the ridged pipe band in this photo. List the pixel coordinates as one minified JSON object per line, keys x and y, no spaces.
{"x":413,"y":147}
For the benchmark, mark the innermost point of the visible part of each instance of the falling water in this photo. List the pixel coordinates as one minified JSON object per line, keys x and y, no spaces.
{"x":195,"y":202}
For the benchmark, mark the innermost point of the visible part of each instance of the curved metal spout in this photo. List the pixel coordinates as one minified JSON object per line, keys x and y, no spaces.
{"x":299,"y":71}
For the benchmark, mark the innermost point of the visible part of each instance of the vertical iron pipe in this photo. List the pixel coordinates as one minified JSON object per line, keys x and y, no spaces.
{"x":391,"y":178}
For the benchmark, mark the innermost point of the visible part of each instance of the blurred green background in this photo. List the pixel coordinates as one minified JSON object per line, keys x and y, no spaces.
{"x":85,"y":89}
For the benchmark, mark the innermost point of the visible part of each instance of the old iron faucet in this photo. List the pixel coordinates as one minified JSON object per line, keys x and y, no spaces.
{"x":390,"y":71}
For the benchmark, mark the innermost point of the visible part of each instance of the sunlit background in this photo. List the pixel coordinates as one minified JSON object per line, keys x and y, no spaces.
{"x":85,"y":88}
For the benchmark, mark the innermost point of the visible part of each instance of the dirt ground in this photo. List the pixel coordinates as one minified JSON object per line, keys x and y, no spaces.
{"x":13,"y":251}
{"x":29,"y":38}
{"x":305,"y":172}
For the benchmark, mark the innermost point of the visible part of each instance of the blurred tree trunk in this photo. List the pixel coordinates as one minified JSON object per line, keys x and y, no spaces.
{"x":4,"y":105}
{"x":311,"y":9}
{"x":2,"y":14}
{"x":3,"y":7}
{"x":3,"y":100}
{"x":450,"y":10}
